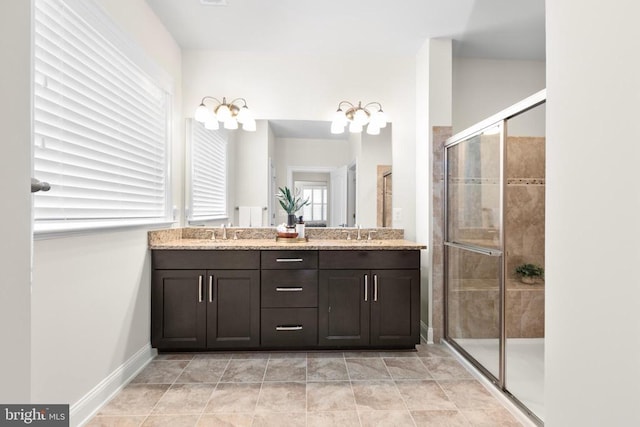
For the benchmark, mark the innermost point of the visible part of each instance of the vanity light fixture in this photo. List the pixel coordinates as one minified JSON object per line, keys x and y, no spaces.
{"x":359,"y":116}
{"x":230,"y":114}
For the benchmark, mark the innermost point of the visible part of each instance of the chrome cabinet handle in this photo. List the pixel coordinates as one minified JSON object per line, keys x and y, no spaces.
{"x":199,"y":288}
{"x":289,"y":260}
{"x":288,"y":289}
{"x":211,"y":288}
{"x":375,"y":287}
{"x":366,"y":286}
{"x":289,"y":328}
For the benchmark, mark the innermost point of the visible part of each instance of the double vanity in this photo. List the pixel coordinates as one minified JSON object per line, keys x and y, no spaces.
{"x":250,"y":291}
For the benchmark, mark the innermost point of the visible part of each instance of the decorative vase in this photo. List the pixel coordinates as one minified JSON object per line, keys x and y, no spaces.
{"x":291,"y":221}
{"x":528,"y":280}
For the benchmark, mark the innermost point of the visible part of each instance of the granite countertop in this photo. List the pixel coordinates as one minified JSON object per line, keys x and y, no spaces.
{"x":193,"y":239}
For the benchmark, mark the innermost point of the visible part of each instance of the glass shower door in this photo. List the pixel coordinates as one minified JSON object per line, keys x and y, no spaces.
{"x":473,"y":255}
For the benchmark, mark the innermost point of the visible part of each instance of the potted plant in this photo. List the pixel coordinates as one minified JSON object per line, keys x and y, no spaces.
{"x":529,"y":273}
{"x":291,"y":203}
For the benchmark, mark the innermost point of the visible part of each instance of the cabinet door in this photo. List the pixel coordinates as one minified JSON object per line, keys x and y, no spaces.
{"x":343,"y":307}
{"x":178,"y":310}
{"x":395,"y":307}
{"x":233,"y":308}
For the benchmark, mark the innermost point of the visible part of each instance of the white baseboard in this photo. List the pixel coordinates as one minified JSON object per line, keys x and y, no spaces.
{"x":85,"y":408}
{"x":426,"y":332}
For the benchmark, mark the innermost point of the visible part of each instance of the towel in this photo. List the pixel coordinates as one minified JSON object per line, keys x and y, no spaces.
{"x":244,"y":218}
{"x":256,"y":216}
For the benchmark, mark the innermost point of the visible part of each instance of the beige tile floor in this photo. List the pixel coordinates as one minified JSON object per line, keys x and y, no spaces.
{"x":427,"y":387}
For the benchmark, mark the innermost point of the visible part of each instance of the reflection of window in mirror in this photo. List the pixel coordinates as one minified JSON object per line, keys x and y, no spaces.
{"x":315,"y":213}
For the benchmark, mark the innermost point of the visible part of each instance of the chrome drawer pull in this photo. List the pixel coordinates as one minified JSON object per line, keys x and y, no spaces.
{"x":289,"y":328}
{"x":210,"y":288}
{"x":289,"y":259}
{"x":199,"y":288}
{"x":288,"y":289}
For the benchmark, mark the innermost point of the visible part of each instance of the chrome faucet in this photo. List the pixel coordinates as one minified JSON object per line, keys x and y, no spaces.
{"x":370,"y":232}
{"x":359,"y":227}
{"x":224,"y":232}
{"x":213,"y":234}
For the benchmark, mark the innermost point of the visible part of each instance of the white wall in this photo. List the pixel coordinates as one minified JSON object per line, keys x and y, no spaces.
{"x":251,"y":169}
{"x":309,"y":88}
{"x":434,"y":102}
{"x":483,"y":87}
{"x":15,"y":227}
{"x":310,"y":154}
{"x":592,"y":293}
{"x":376,"y":150}
{"x":91,"y":294}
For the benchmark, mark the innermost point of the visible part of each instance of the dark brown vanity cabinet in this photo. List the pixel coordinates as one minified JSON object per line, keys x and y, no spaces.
{"x":195,"y":307}
{"x":369,"y":298}
{"x":289,"y":299}
{"x":233,"y":299}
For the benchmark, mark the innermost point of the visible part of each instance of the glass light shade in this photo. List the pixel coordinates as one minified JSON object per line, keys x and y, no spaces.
{"x":211,"y":123}
{"x":337,"y":127}
{"x":244,"y":115}
{"x":201,"y":113}
{"x":380,"y":118}
{"x":355,"y":127}
{"x":231,"y":123}
{"x":373,"y":129}
{"x":360,"y":117}
{"x":339,"y":118}
{"x":223,"y":113}
{"x":249,"y":125}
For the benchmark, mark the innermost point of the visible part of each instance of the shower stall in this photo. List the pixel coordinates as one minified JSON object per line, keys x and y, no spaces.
{"x":494,"y":222}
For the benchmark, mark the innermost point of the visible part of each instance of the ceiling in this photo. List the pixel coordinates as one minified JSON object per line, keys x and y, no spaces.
{"x":500,"y":29}
{"x":304,"y":129}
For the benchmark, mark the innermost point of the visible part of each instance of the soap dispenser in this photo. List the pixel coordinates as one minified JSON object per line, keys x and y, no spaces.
{"x":300,"y":228}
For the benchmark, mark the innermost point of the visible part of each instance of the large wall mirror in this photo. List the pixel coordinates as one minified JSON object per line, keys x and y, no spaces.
{"x":346,"y":177}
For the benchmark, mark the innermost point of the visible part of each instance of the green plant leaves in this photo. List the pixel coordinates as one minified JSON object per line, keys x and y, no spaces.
{"x":291,"y":203}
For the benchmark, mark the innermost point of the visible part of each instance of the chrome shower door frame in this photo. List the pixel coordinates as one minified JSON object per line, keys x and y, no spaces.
{"x":499,"y":119}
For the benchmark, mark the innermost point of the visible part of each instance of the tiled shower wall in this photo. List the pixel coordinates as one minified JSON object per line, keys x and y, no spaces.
{"x":524,"y":231}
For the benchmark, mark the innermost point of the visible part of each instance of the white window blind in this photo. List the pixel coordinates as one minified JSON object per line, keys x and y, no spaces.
{"x":208,"y":173}
{"x":316,"y":210}
{"x":100,"y":126}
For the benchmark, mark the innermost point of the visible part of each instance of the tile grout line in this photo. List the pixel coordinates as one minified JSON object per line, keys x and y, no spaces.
{"x":202,"y":413}
{"x":395,"y":385}
{"x":306,"y":389}
{"x":165,"y":392}
{"x":346,"y":366}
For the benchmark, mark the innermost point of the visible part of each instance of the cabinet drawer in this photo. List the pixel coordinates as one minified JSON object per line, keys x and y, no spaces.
{"x":371,"y":259}
{"x":289,"y":327}
{"x":289,"y":260}
{"x":289,"y":288}
{"x":199,"y":259}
